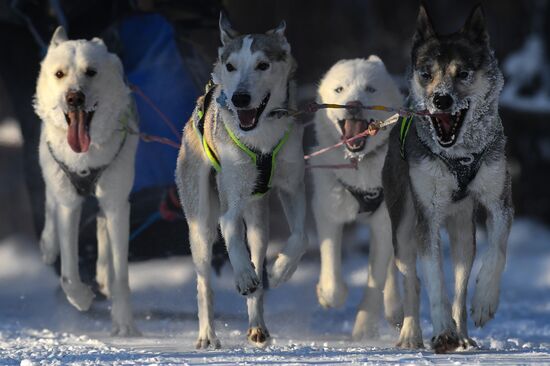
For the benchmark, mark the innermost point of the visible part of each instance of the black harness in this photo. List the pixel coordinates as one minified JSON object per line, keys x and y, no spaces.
{"x":463,"y":168}
{"x":368,"y":200}
{"x":84,"y":181}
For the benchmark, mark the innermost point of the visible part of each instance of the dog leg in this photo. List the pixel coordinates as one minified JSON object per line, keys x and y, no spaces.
{"x":202,"y":234}
{"x":257,"y":232}
{"x":104,"y":266}
{"x":332,"y":291}
{"x":380,"y":252}
{"x":445,"y":338}
{"x":405,"y":245}
{"x":294,"y":205}
{"x":487,"y":290}
{"x":49,"y":240}
{"x":117,"y":216}
{"x":461,"y":228}
{"x":78,"y":294}
{"x":393,"y":307}
{"x":231,"y":224}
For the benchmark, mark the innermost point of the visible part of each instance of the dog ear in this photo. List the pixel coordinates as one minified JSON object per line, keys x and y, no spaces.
{"x":59,"y":36}
{"x":278,"y":31}
{"x":475,"y":27}
{"x":227,"y":33}
{"x":98,"y":41}
{"x":424,"y":27}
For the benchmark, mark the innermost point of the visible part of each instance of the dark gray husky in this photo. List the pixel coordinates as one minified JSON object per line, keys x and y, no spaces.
{"x":440,"y":169}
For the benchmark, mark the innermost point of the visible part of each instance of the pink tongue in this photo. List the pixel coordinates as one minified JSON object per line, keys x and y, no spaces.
{"x":247,"y":117}
{"x":352,"y":128}
{"x":78,"y":135}
{"x":445,"y":122}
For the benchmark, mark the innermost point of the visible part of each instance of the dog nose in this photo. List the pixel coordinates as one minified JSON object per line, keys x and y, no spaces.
{"x":443,"y":101}
{"x":75,"y":98}
{"x":240,"y":100}
{"x":354,"y":107}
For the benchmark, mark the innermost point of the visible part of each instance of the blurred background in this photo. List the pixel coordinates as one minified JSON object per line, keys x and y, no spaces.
{"x":168,"y":49}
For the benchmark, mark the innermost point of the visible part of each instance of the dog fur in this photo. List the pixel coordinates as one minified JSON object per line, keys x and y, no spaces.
{"x":368,"y":82}
{"x":87,"y":69}
{"x":225,"y":198}
{"x":457,"y":75}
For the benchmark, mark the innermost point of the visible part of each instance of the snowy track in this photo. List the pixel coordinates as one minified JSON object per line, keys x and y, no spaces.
{"x":39,"y":327}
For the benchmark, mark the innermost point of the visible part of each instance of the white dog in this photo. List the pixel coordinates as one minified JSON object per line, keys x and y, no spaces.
{"x":85,"y":150}
{"x":345,"y":195}
{"x":235,"y":151}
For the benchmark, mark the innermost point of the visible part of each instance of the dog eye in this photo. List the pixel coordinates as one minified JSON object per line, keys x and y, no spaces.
{"x":229,"y":67}
{"x":262,"y":66}
{"x":59,"y":74}
{"x":463,"y":75}
{"x":370,"y":89}
{"x":90,"y":72}
{"x":339,"y":89}
{"x":426,"y":75}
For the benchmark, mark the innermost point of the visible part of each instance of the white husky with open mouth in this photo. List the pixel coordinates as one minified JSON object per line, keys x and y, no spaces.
{"x":86,"y":109}
{"x":345,"y":195}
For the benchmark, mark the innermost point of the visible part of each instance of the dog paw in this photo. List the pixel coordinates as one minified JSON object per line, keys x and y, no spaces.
{"x":246,"y":281}
{"x":410,"y":336}
{"x":258,"y":336}
{"x":484,"y":303}
{"x":50,"y":251}
{"x":332,"y":295}
{"x":283,"y":268}
{"x":78,"y":294}
{"x":466,"y":342}
{"x":445,"y":342}
{"x":125,"y":330}
{"x":206,"y":341}
{"x":365,"y":327}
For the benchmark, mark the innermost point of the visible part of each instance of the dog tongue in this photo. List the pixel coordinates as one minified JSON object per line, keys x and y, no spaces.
{"x":354,"y":127}
{"x":247,"y":117}
{"x":78,"y":135}
{"x":445,"y":122}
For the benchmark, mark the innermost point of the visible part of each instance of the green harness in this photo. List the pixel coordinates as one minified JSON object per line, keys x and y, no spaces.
{"x":264,"y":162}
{"x":405,"y":125}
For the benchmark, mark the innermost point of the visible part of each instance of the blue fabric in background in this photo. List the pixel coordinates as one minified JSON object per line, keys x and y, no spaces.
{"x":152,"y":62}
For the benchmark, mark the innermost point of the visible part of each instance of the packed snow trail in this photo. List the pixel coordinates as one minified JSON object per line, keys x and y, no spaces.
{"x":39,"y":327}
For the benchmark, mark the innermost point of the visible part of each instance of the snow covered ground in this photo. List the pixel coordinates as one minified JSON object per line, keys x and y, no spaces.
{"x":39,"y":327}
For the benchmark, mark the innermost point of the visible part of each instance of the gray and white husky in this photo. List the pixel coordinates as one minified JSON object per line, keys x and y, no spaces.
{"x":234,"y":151}
{"x":84,"y":104}
{"x":347,"y":195}
{"x":441,"y":171}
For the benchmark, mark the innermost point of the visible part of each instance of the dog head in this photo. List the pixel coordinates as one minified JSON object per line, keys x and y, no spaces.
{"x":253,"y":71}
{"x":453,"y":76}
{"x":354,"y":83}
{"x":81,"y":90}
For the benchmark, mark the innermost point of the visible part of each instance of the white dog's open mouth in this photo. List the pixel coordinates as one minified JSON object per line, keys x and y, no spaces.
{"x":78,"y":134}
{"x":248,"y":118}
{"x":447,"y":126}
{"x":351,"y":128}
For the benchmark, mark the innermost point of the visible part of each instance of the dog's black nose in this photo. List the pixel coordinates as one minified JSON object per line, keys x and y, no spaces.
{"x":240,"y":100}
{"x":443,"y":101}
{"x":75,"y":98}
{"x":354,"y":107}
